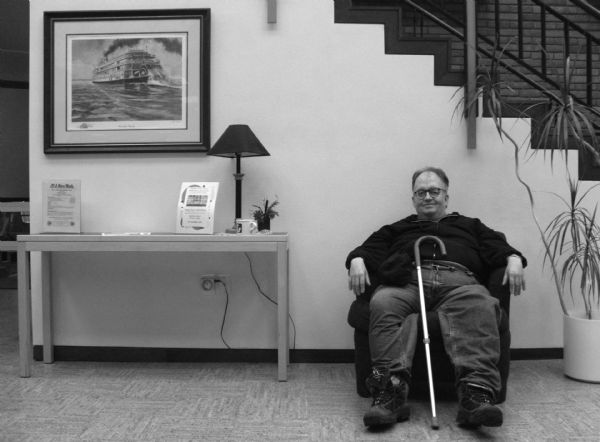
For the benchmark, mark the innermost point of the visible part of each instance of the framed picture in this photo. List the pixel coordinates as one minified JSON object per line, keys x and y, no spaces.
{"x":127,"y":81}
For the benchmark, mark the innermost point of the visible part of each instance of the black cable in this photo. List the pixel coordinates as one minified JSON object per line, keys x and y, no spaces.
{"x":225,"y":312}
{"x":268,"y":298}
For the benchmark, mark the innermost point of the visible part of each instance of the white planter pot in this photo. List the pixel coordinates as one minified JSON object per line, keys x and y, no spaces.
{"x":581,"y":348}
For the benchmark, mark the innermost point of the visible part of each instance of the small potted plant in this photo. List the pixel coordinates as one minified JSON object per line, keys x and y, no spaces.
{"x":264,"y":213}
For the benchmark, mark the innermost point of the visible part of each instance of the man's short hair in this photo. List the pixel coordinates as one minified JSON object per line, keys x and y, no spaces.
{"x":439,"y":172}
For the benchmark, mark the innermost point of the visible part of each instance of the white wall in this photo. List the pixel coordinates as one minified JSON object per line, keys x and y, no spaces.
{"x":345,"y":125}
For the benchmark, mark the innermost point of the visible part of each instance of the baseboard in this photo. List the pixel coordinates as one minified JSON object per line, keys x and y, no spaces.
{"x":528,"y":354}
{"x":14,"y":84}
{"x":143,"y":354}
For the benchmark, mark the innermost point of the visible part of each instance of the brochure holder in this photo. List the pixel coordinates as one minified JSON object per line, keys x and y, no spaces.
{"x":196,"y":208}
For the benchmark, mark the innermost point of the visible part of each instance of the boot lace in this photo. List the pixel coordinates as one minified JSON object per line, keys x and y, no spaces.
{"x":383,"y":393}
{"x":480,"y":397}
{"x":377,"y":375}
{"x":383,"y":397}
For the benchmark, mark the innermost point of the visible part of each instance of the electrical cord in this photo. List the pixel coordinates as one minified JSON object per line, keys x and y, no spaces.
{"x":259,"y":291}
{"x":225,"y":312}
{"x":268,"y":298}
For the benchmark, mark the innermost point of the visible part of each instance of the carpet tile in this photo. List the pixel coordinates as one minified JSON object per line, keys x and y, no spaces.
{"x":243,"y":402}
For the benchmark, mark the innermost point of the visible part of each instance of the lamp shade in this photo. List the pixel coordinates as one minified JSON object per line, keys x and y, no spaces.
{"x":238,"y":140}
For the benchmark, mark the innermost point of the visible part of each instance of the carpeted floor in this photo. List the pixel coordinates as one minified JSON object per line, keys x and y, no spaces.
{"x":77,"y":401}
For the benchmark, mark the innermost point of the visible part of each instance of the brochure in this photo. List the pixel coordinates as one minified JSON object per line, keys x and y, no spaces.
{"x":196,"y":207}
{"x":61,"y":201}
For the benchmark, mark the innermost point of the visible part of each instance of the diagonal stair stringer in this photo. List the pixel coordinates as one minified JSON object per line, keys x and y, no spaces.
{"x":389,"y":14}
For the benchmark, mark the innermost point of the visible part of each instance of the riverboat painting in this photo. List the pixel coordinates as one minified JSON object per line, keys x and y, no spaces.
{"x":127,"y":81}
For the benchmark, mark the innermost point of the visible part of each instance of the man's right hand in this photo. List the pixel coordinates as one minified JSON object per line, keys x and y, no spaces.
{"x":358,"y":276}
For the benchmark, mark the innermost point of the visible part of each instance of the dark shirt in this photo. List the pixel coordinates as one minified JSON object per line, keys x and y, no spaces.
{"x":468,"y":242}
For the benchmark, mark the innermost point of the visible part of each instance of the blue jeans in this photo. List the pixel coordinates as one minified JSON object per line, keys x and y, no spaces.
{"x":469,"y":319}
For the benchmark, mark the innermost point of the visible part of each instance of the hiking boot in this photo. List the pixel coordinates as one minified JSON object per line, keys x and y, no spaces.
{"x":476,"y":407}
{"x":389,"y":394}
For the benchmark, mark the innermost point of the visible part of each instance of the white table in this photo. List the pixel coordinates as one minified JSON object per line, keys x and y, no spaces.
{"x":48,"y":243}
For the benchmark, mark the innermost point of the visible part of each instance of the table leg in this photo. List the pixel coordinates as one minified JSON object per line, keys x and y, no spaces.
{"x":47,"y":340}
{"x":25,"y":344}
{"x":283,"y":350}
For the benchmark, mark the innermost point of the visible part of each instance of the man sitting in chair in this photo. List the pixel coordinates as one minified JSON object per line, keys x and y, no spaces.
{"x":469,"y":316}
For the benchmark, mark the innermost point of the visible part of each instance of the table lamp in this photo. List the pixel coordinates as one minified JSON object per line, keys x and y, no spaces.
{"x":236,"y":142}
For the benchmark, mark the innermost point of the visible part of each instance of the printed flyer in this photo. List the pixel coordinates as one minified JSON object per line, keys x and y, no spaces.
{"x":61,"y":201}
{"x":196,"y":207}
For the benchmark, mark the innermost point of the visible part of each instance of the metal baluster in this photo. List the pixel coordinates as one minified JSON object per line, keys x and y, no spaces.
{"x":520,"y":26}
{"x":567,"y":40}
{"x":543,"y":29}
{"x":588,"y":71}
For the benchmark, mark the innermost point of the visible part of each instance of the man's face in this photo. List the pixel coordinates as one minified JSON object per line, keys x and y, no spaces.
{"x":430,"y":206}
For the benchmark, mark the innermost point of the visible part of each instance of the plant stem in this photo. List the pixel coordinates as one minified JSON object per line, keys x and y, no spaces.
{"x":532,"y":208}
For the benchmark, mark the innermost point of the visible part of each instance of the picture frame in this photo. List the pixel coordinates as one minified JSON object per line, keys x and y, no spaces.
{"x":127,"y":81}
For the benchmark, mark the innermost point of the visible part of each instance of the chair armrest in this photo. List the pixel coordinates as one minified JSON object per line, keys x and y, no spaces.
{"x":497,"y":290}
{"x":358,"y":314}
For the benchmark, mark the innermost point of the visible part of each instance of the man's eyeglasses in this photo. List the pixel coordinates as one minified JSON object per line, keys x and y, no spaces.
{"x":434,"y":192}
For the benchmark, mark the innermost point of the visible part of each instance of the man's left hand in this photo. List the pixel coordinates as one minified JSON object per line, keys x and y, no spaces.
{"x":514,"y":275}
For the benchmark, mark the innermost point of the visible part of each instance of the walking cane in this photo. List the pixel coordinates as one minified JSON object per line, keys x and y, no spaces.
{"x":434,"y":421}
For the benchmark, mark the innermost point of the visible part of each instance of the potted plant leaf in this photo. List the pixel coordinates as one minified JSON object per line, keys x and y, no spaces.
{"x":263,"y":213}
{"x":572,"y":238}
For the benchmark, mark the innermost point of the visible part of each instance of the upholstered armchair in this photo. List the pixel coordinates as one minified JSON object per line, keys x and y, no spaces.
{"x":443,"y":372}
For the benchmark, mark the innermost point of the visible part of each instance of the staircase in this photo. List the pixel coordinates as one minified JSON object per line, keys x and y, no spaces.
{"x":537,"y":36}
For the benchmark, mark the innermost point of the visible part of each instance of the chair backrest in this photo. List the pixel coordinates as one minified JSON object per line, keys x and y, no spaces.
{"x":14,"y":219}
{"x":493,"y":284}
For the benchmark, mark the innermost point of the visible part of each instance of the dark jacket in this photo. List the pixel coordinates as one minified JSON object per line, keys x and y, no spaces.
{"x":468,"y":242}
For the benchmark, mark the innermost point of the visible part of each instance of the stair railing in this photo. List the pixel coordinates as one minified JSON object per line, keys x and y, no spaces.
{"x":528,"y":68}
{"x":591,"y":10}
{"x":568,"y":27}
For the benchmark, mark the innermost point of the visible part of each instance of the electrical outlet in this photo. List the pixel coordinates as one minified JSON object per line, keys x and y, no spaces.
{"x":208,"y":282}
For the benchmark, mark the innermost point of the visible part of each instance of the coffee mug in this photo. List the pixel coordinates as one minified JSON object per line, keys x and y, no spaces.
{"x":246,"y":226}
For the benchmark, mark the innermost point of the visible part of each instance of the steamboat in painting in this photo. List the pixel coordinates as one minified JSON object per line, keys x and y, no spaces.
{"x":133,"y":66}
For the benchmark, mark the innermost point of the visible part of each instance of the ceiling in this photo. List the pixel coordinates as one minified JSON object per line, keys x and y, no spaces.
{"x":14,"y":25}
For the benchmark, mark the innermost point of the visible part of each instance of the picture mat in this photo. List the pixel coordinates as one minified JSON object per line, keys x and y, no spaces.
{"x":63,"y":30}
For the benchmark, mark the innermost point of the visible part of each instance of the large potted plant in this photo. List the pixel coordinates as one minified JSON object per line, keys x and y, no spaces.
{"x":572,"y":238}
